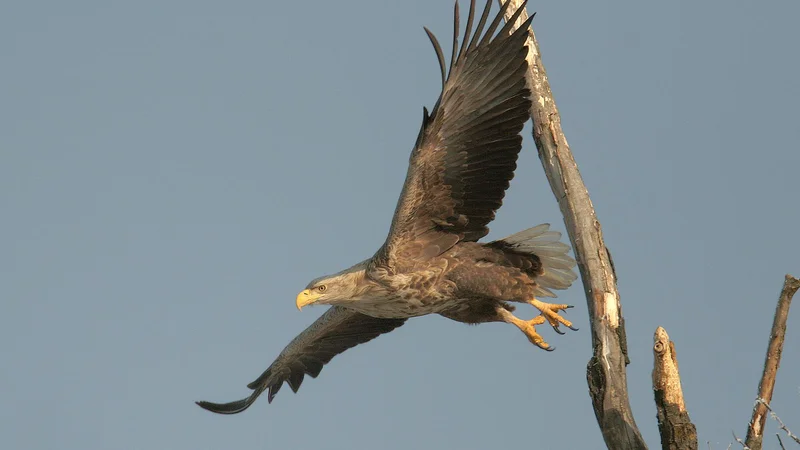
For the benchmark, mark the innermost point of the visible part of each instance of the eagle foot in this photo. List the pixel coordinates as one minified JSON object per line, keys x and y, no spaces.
{"x":550,"y":313}
{"x":529,"y":328}
{"x":526,"y":326}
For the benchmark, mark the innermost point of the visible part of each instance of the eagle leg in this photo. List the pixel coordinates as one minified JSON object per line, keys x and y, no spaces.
{"x":550,"y":312}
{"x":528,"y":327}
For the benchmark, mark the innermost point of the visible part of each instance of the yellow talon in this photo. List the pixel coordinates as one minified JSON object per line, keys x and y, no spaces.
{"x":528,"y":327}
{"x":550,"y":312}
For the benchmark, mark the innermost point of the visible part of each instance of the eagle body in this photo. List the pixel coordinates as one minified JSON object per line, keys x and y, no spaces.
{"x":431,"y":262}
{"x":448,"y":283}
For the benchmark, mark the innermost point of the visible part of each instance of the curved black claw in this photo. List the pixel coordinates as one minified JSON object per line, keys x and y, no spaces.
{"x":549,"y":349}
{"x":573,"y":328}
{"x":558,"y":330}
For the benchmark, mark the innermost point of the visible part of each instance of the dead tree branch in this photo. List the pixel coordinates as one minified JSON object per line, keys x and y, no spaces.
{"x":740,"y":441}
{"x":755,"y":431}
{"x":676,"y":429}
{"x":781,"y":425}
{"x":606,"y":373}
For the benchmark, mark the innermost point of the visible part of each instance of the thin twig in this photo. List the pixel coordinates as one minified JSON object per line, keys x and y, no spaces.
{"x":782,"y":426}
{"x":744,"y":446}
{"x":606,"y":373}
{"x":755,"y":430}
{"x":780,"y":441}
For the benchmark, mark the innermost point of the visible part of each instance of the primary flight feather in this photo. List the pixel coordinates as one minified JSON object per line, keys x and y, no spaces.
{"x":460,"y":167}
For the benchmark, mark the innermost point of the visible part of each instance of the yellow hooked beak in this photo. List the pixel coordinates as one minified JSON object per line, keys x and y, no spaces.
{"x":306,"y":297}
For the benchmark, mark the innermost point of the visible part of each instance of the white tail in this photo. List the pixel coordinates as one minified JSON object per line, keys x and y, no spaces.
{"x":556,"y":262}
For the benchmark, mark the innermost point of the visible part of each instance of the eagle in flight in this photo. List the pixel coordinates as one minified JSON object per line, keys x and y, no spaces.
{"x":432,"y":263}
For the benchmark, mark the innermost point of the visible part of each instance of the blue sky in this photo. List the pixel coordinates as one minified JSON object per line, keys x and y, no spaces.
{"x":173,"y":173}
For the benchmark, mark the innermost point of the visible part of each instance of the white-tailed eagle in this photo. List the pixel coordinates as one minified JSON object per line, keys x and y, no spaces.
{"x":432,"y":263}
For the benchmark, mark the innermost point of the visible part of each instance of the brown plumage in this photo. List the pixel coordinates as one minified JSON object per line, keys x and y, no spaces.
{"x":462,"y":162}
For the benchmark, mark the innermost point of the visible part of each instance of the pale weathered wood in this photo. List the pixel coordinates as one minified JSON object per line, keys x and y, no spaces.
{"x":755,"y":431}
{"x":676,"y":429}
{"x":606,"y":370}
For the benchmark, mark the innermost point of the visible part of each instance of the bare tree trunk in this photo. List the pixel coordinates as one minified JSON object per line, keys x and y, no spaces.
{"x":755,"y":431}
{"x":676,"y":429}
{"x":606,"y":373}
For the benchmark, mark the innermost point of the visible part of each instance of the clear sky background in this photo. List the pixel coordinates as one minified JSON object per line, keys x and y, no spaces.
{"x":172,"y":173}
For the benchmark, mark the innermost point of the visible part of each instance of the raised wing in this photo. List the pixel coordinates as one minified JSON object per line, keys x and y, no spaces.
{"x":334,"y":332}
{"x":467,"y":148}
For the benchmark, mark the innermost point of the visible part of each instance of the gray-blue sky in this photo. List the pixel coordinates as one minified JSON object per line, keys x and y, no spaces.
{"x":172,"y":173}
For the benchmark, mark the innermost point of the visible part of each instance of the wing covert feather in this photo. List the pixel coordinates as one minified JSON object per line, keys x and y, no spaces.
{"x":466,"y":152}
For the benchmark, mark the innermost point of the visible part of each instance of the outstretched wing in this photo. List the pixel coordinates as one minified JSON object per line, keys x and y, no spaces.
{"x":467,"y":148}
{"x":333,"y":333}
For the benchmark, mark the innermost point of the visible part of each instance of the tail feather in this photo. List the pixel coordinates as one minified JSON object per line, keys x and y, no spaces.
{"x":556,"y":263}
{"x":543,"y":292}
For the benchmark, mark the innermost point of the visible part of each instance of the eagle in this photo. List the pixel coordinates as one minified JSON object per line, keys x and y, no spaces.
{"x":431,"y":262}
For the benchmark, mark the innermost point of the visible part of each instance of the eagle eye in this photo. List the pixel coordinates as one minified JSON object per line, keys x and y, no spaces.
{"x":322,"y":288}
